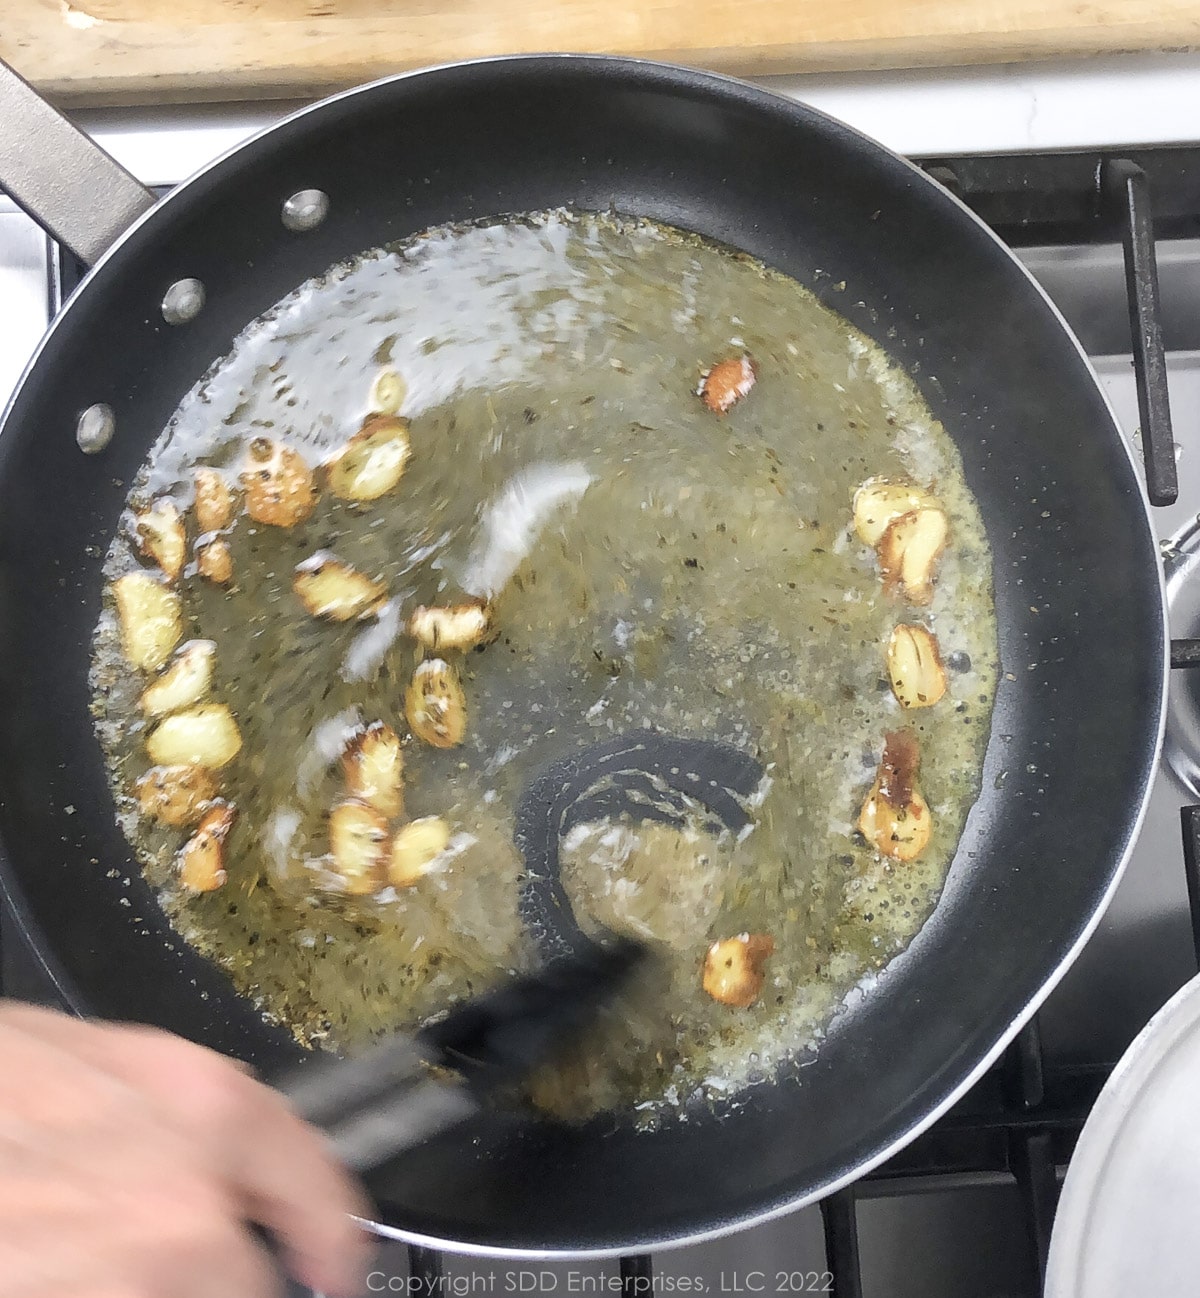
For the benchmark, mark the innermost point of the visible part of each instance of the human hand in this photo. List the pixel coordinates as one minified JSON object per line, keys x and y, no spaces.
{"x":131,"y":1161}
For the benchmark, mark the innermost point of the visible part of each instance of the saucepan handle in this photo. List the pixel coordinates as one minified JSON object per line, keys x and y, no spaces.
{"x":70,"y":186}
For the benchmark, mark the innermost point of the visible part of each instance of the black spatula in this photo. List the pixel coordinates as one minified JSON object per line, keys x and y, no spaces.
{"x":409,"y":1088}
{"x":642,"y":775}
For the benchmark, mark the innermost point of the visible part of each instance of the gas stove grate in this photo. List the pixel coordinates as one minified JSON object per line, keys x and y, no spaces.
{"x":1021,"y":1121}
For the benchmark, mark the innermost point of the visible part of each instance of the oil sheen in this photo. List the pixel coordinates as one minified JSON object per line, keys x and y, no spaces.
{"x":653,"y":563}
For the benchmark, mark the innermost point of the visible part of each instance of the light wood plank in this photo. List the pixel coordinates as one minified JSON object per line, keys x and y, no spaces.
{"x":124,"y":51}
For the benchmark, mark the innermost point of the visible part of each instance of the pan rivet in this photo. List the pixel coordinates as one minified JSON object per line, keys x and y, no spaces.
{"x":183,"y":301}
{"x":95,"y":428}
{"x":305,"y":210}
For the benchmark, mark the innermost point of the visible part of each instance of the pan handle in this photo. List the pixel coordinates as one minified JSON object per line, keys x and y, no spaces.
{"x":73,"y":189}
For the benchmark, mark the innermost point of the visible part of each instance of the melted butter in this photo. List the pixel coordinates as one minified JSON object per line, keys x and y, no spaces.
{"x":655,"y":565}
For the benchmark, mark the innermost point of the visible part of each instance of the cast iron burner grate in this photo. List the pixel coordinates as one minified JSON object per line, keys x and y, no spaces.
{"x":1021,"y":1121}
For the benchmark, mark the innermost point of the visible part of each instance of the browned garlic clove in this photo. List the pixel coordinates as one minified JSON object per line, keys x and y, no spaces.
{"x":214,"y":501}
{"x":334,"y":590}
{"x":202,"y":736}
{"x":176,"y":795}
{"x":415,"y":850}
{"x":895,"y":818}
{"x":373,"y":763}
{"x":150,"y":618}
{"x":201,"y":860}
{"x":435,"y":704}
{"x":388,"y":392}
{"x":373,"y":460}
{"x":915,"y":667}
{"x":460,"y":626}
{"x":880,"y":501}
{"x":909,"y":551}
{"x":214,"y":562}
{"x":186,"y":681}
{"x":161,"y":537}
{"x":279,"y":485}
{"x":723,"y":386}
{"x":734,"y":970}
{"x":358,"y":846}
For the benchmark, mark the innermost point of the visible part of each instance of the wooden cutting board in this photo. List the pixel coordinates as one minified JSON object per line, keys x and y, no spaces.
{"x":125,"y":51}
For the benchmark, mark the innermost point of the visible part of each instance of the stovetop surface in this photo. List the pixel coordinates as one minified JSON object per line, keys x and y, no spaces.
{"x":955,"y":1235}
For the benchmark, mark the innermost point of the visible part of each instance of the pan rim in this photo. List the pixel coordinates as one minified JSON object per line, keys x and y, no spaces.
{"x":735,"y":89}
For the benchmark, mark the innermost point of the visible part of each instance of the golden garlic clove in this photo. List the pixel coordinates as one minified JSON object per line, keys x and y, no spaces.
{"x":334,"y":590}
{"x":202,"y":736}
{"x":372,"y":461}
{"x":358,"y":846}
{"x":909,"y":550}
{"x":201,"y":861}
{"x":186,"y":681}
{"x":723,"y":386}
{"x":734,"y":969}
{"x":214,"y":501}
{"x":150,"y":618}
{"x":460,"y":626}
{"x":915,"y":667}
{"x":279,"y":485}
{"x":214,"y":561}
{"x":373,"y":763}
{"x":161,"y":537}
{"x":415,"y":850}
{"x":879,"y":502}
{"x":388,"y":392}
{"x":176,"y":795}
{"x":902,"y":833}
{"x":895,"y":818}
{"x":435,"y":704}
